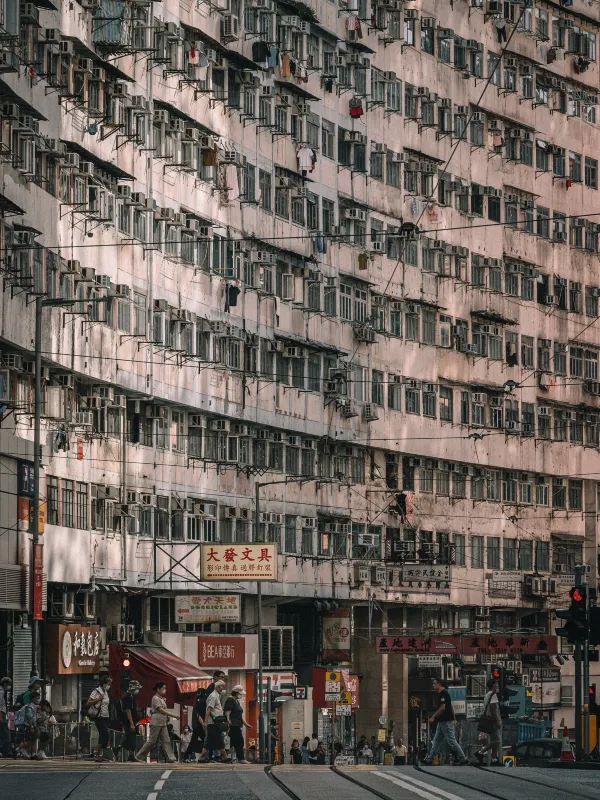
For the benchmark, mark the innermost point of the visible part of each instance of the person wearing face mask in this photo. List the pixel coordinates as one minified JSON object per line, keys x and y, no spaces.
{"x":216,"y":723}
{"x":159,"y":733}
{"x":130,"y":716}
{"x":98,"y":712}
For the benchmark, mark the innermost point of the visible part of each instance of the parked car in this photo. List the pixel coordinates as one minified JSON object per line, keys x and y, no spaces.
{"x":536,"y":752}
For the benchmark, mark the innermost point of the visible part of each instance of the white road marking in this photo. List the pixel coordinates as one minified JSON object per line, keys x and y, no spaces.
{"x":152,"y":796}
{"x":166,"y":774}
{"x":158,"y":786}
{"x":413,"y":785}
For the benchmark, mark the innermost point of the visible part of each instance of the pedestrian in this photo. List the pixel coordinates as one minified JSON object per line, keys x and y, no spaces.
{"x":44,"y":725}
{"x":444,"y":733}
{"x":158,"y":725}
{"x":490,"y":725}
{"x":130,"y":716}
{"x":234,"y":713}
{"x":98,"y":712}
{"x":25,"y":726}
{"x":186,"y":738}
{"x":336,"y":751}
{"x":320,"y":754}
{"x":400,"y":753}
{"x":296,"y":756}
{"x":215,"y":722}
{"x":5,"y":706}
{"x":304,"y":750}
{"x":175,"y":740}
{"x":199,"y":713}
{"x":312,"y":747}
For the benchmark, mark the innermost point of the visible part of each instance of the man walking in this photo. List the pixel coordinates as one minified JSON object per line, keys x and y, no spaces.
{"x":214,"y":721}
{"x":199,"y":714}
{"x":493,"y":739}
{"x":130,"y":717}
{"x":444,"y":733}
{"x":234,"y":712}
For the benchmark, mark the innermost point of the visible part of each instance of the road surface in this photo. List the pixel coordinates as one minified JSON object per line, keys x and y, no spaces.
{"x":64,"y":780}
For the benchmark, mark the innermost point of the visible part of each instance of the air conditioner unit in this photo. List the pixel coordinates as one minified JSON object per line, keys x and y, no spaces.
{"x":84,"y":419}
{"x":362,"y":573}
{"x":367,"y":540}
{"x":482,"y":626}
{"x":370,"y":413}
{"x":355,"y":214}
{"x":482,"y":612}
{"x":230,"y":27}
{"x":378,"y":575}
{"x":219,"y":424}
{"x":120,"y":633}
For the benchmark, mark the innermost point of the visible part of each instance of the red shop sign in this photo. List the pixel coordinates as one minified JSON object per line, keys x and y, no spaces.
{"x":221,"y":651}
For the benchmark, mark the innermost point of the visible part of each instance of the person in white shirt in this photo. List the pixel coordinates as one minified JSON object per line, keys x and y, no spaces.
{"x":215,"y":724}
{"x":98,"y":711}
{"x":158,"y":725}
{"x":491,"y":741}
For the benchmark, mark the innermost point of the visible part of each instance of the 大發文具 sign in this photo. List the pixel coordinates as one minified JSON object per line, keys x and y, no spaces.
{"x":239,"y":562}
{"x":197,"y":609}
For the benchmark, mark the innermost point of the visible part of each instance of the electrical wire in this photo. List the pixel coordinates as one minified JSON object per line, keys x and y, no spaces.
{"x":340,"y":238}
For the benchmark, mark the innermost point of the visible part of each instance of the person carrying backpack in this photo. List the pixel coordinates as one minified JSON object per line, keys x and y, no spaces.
{"x":98,"y":711}
{"x":199,"y":713}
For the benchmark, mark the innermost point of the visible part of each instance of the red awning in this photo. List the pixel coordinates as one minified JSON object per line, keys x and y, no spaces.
{"x":149,"y":665}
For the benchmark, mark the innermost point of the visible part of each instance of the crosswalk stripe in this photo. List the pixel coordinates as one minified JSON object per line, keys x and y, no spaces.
{"x":418,"y":787}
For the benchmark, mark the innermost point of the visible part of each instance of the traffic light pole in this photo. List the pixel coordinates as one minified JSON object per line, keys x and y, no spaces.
{"x":578,"y":715}
{"x":586,"y":683}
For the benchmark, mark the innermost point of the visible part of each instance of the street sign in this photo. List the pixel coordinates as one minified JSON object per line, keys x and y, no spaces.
{"x":382,"y":720}
{"x":333,"y":675}
{"x":332,"y":697}
{"x":332,"y":686}
{"x":343,"y":709}
{"x":381,"y":735}
{"x":300,"y":692}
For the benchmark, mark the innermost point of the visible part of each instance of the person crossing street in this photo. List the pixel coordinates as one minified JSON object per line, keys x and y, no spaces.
{"x":445,"y":736}
{"x":158,"y":726}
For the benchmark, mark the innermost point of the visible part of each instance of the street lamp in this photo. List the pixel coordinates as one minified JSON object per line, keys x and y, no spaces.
{"x":257,"y":487}
{"x":40,"y":304}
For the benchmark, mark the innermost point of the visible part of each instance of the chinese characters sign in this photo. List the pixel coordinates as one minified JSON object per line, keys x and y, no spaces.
{"x":336,"y":635}
{"x":475,"y":644}
{"x":197,"y":609}
{"x":221,"y":651}
{"x":38,"y":581}
{"x":425,"y":572}
{"x":239,"y":562}
{"x":73,"y":649}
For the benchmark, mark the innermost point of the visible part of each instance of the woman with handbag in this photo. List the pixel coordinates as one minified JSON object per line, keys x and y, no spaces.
{"x":490,"y":725}
{"x":97,"y":711}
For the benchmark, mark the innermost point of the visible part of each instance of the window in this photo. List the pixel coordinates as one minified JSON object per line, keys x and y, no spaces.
{"x":575,"y":167}
{"x":459,"y":546}
{"x":394,"y":392}
{"x":81,"y":513}
{"x":591,"y":172}
{"x":290,"y":542}
{"x":377,"y":390}
{"x":477,"y":552}
{"x":265,"y":199}
{"x":526,"y":555}
{"x":428,"y":318}
{"x":413,"y":400}
{"x":542,"y":556}
{"x":446,"y":404}
{"x":68,"y":511}
{"x":493,"y":552}
{"x":429,"y":399}
{"x":559,"y":498}
{"x":509,"y":554}
{"x":575,"y":495}
{"x":52,"y":500}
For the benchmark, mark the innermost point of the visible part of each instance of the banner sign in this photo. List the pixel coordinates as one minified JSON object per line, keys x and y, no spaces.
{"x":38,"y":582}
{"x":239,"y":562}
{"x":198,"y":609}
{"x":476,"y":644}
{"x":336,"y":635}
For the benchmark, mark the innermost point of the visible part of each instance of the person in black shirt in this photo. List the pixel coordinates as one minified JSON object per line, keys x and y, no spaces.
{"x":234,"y":711}
{"x":196,"y":744}
{"x":444,"y":732}
{"x":130,"y":717}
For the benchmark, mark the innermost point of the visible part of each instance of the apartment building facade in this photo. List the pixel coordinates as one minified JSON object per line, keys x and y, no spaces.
{"x":345,"y":251}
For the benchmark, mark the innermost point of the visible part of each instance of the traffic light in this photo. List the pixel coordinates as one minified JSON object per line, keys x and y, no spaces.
{"x":593,"y":706}
{"x":496,"y":674}
{"x":575,"y":628}
{"x":125,"y":672}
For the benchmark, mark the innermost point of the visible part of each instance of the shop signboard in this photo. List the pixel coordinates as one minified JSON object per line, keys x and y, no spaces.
{"x":199,"y":609}
{"x":73,"y":649}
{"x":238,"y":562}
{"x":222,"y":651}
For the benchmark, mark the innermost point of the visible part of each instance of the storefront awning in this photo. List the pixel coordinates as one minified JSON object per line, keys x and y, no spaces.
{"x":149,"y":665}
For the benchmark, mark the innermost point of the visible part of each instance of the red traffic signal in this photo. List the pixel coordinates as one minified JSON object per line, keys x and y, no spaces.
{"x":496,"y":673}
{"x":578,"y":595}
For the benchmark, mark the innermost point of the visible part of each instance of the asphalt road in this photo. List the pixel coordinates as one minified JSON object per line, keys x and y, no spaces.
{"x":85,"y":781}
